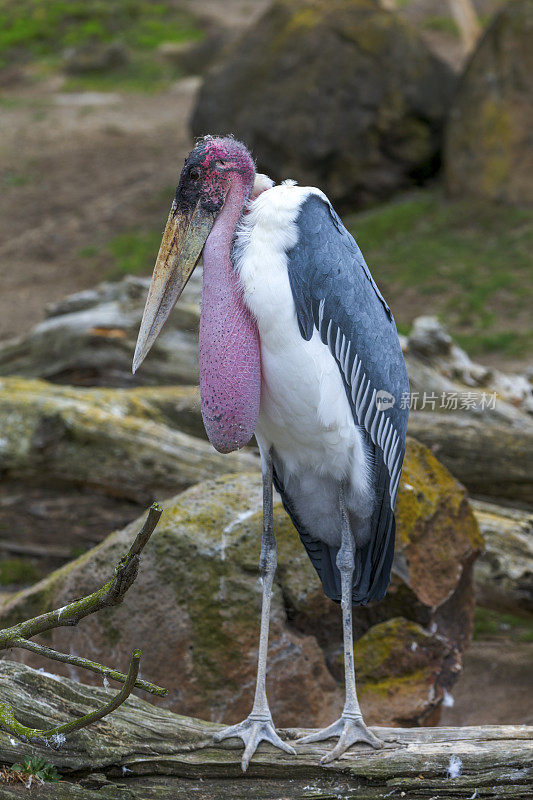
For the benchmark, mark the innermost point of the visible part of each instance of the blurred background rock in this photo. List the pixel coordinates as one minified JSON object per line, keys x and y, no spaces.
{"x":415,"y":117}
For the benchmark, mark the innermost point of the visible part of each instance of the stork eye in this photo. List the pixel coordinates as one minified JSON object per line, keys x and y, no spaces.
{"x":194,"y":174}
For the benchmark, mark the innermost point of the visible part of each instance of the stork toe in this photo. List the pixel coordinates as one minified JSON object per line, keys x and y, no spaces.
{"x":252,"y":732}
{"x":349,"y":731}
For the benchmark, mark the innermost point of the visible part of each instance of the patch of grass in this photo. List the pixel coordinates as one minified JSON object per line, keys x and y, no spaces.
{"x":512,"y":343}
{"x":468,"y":262}
{"x":46,"y":27}
{"x":36,"y":767}
{"x":15,"y":571}
{"x":142,"y":74}
{"x":10,"y":179}
{"x":41,"y":30}
{"x":442,"y":24}
{"x":489,"y":624}
{"x":134,"y":252}
{"x":90,"y":251}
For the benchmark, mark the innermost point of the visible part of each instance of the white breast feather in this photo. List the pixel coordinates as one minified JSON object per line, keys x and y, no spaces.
{"x":304,"y":412}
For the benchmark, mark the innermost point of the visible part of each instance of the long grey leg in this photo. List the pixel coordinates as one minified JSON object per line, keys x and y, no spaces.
{"x":350,"y":728}
{"x":267,"y":567}
{"x":345,"y":563}
{"x":259,"y":725}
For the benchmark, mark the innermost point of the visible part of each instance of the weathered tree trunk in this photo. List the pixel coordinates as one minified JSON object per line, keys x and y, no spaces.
{"x":116,"y":443}
{"x":491,"y":459}
{"x":465,"y":16}
{"x":141,"y":751}
{"x":503,"y":574}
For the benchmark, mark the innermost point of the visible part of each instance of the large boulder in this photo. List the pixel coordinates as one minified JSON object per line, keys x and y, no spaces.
{"x":195,"y":606}
{"x":488,"y":140}
{"x":337,"y":93}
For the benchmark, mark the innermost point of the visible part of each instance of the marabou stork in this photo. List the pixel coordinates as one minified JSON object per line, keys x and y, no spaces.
{"x":298,"y":346}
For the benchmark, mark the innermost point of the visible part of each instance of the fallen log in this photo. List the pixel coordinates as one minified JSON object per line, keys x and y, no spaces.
{"x":115,"y":442}
{"x":491,"y":459}
{"x":503,"y":574}
{"x":141,"y":751}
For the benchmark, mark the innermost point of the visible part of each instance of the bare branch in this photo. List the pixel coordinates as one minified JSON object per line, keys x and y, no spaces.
{"x":9,"y":724}
{"x":110,"y":594}
{"x":86,"y":663}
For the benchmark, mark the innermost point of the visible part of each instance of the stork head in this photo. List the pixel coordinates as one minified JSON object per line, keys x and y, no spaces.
{"x":210,"y":171}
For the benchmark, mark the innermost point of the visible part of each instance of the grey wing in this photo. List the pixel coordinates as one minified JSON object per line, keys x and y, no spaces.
{"x":335,"y":294}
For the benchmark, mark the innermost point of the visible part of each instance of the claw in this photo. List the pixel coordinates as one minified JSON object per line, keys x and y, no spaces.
{"x":253,"y":731}
{"x":349,"y":731}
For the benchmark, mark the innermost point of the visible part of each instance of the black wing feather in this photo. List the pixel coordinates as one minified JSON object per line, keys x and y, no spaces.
{"x":335,"y":293}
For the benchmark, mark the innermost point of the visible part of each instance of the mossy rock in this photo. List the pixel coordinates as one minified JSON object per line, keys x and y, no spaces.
{"x":400,"y":663}
{"x":488,"y":147}
{"x":196,"y":603}
{"x":337,"y":93}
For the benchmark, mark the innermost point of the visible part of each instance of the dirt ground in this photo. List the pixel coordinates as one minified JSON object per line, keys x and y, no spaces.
{"x":76,"y":169}
{"x":79,"y":170}
{"x":494,"y":687}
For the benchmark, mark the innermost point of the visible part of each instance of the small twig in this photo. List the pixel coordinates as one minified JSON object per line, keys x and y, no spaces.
{"x":86,"y":663}
{"x":111,"y":594}
{"x":10,"y":724}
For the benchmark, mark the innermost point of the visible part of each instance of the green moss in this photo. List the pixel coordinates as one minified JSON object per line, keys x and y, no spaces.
{"x":111,"y":633}
{"x":395,"y":684}
{"x":307,"y":18}
{"x":442,"y":24}
{"x":220,"y":601}
{"x":424,"y":481}
{"x":18,"y":571}
{"x":373,"y":31}
{"x":496,"y":140}
{"x":396,"y":647}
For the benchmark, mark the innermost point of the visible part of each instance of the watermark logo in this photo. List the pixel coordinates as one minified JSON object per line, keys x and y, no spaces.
{"x":432,"y":401}
{"x":384,"y":400}
{"x":449,"y":401}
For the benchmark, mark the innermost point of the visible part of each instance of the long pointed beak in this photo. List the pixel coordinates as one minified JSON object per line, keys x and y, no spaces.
{"x":183,"y":240}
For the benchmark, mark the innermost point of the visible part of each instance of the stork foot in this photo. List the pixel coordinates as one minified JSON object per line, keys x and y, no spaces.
{"x":252,"y":730}
{"x":349,"y":730}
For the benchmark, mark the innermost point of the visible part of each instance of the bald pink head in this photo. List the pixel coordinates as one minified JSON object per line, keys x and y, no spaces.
{"x":219,"y":173}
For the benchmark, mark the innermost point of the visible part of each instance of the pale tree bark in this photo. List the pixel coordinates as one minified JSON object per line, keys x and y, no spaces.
{"x":467,"y":21}
{"x":147,"y":751}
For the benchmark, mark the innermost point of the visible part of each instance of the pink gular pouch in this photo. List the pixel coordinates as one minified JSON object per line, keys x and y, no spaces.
{"x":229,"y":351}
{"x":214,"y":185}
